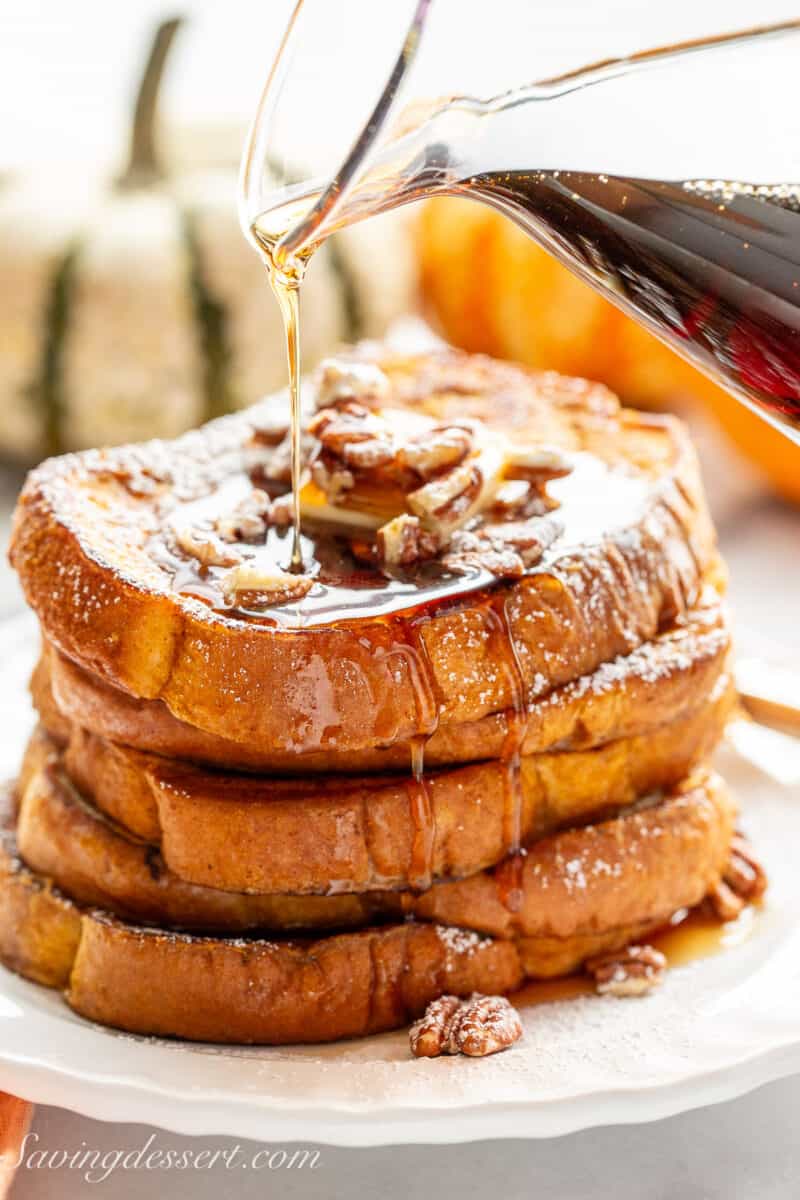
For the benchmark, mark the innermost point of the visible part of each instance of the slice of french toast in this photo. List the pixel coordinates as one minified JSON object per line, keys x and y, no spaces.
{"x":634,"y":693}
{"x":260,"y":834}
{"x":583,"y":892}
{"x":160,"y":568}
{"x":89,"y":858}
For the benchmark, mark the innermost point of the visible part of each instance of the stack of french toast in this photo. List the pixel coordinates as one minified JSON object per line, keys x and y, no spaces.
{"x":462,"y":742}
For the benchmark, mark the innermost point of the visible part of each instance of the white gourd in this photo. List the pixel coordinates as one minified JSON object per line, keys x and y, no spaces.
{"x":136,"y":308}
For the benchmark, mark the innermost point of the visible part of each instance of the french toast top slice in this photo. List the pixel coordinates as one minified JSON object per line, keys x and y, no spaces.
{"x":92,"y":546}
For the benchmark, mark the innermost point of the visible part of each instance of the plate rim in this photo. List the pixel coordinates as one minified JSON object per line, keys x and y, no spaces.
{"x":130,"y":1100}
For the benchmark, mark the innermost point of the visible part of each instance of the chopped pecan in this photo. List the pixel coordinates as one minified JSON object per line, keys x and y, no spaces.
{"x":476,"y":1027}
{"x":632,"y":971}
{"x":343,"y":379}
{"x":281,"y":512}
{"x":471,"y":548}
{"x":258,"y":584}
{"x":513,"y":496}
{"x":743,"y":880}
{"x":369,"y":454}
{"x":402,"y":541}
{"x":445,"y":500}
{"x":248,"y":520}
{"x":529,"y":539}
{"x":537,"y":463}
{"x":333,"y":481}
{"x":353,"y":441}
{"x":430,"y":1035}
{"x":277,"y":465}
{"x":504,"y":549}
{"x":338,"y":428}
{"x":512,"y":504}
{"x":432,"y":452}
{"x":270,"y":425}
{"x":204,"y":545}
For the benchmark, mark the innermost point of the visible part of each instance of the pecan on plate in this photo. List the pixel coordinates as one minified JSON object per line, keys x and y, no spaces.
{"x":478,"y":1026}
{"x":743,"y":881}
{"x":632,"y":971}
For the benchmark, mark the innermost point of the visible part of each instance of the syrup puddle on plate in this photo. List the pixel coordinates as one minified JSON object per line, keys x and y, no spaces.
{"x":689,"y":936}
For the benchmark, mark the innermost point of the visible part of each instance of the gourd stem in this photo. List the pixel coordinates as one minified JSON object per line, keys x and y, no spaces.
{"x":143,"y":165}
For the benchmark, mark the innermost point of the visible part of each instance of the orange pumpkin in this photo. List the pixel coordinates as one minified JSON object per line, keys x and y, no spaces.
{"x":493,"y":290}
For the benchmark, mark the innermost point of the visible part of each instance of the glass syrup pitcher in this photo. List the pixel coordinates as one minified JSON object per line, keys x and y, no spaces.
{"x":668,"y":180}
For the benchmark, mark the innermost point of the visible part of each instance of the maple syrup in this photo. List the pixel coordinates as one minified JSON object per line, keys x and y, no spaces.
{"x":509,"y":874}
{"x":285,"y":276}
{"x":691,"y":935}
{"x":700,"y":934}
{"x":411,"y":646}
{"x":712,"y":267}
{"x":420,"y":871}
{"x":593,"y":500}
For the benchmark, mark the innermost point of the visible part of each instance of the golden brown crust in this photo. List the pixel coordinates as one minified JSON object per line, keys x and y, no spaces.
{"x":576,"y":884}
{"x":617,"y":873}
{"x":651,"y":686}
{"x":81,"y":546}
{"x":39,"y":928}
{"x":154,"y":982}
{"x":344,"y":986}
{"x":100,"y":866}
{"x":547,"y":957}
{"x":256,"y":834}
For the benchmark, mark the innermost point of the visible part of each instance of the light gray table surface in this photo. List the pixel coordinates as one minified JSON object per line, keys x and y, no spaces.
{"x":745,"y":1148}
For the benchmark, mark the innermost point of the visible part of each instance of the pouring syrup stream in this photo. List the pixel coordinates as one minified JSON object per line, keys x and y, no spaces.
{"x":285,"y":277}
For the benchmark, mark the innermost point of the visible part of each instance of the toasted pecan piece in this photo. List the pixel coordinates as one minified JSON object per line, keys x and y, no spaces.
{"x":248,"y":521}
{"x":403,"y":542}
{"x":206,"y":547}
{"x":743,"y":881}
{"x":257,"y":584}
{"x":441,"y":449}
{"x":631,"y":971}
{"x":477,"y":1027}
{"x":348,"y":379}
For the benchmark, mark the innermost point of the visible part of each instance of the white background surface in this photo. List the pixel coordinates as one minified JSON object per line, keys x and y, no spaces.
{"x":63,"y":86}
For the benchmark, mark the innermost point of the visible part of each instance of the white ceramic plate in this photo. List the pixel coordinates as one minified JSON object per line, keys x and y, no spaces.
{"x":717,"y":1028}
